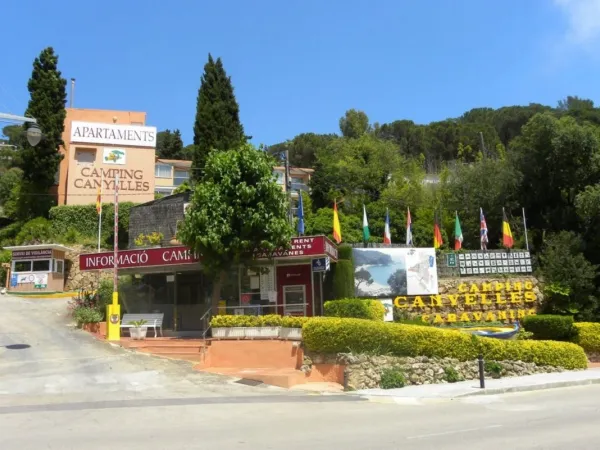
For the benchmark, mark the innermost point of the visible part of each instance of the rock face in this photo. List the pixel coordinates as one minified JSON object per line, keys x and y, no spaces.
{"x":76,"y":279}
{"x":364,"y":371}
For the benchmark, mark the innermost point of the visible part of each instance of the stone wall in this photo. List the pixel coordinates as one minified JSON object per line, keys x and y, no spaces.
{"x":364,"y":371}
{"x":475,"y":300}
{"x":76,"y":279}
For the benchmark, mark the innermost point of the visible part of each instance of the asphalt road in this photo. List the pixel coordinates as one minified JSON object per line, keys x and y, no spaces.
{"x":69,"y":392}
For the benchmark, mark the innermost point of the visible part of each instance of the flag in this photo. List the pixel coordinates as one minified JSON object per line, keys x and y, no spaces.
{"x":437,"y":233}
{"x":366,"y":233}
{"x":409,"y":237}
{"x":337,"y":230}
{"x":99,"y":200}
{"x":507,"y":237}
{"x":458,"y":236}
{"x":300,"y":215}
{"x":483,"y":230}
{"x":387,"y":236}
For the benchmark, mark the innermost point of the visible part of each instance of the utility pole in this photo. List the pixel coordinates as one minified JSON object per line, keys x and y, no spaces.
{"x":288,"y":186}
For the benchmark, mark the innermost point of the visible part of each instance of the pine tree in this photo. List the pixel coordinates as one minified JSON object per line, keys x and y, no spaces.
{"x":169,"y":145}
{"x":40,"y":164}
{"x":217,"y":124}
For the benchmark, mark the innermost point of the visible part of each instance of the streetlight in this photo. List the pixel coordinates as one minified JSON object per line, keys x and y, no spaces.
{"x":33,"y":133}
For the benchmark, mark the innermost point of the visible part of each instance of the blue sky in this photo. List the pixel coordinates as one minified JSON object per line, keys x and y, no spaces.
{"x":298,"y":66}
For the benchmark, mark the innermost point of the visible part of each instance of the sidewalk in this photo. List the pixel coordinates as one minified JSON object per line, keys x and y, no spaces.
{"x":492,"y":386}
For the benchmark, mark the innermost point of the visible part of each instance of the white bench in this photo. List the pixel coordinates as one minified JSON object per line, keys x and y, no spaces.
{"x":153,"y":320}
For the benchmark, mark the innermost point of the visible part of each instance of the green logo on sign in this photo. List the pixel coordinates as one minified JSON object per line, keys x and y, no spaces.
{"x":451,"y":259}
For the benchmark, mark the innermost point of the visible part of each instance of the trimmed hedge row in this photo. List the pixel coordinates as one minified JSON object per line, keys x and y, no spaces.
{"x":588,"y":336}
{"x":550,"y":327}
{"x":334,"y":335}
{"x":269,"y":320}
{"x":357,"y":308}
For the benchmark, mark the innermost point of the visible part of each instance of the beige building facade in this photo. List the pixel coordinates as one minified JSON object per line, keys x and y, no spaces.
{"x":101,"y":146}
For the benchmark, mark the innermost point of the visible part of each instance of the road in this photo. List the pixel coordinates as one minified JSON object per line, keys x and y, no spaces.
{"x":157,"y":404}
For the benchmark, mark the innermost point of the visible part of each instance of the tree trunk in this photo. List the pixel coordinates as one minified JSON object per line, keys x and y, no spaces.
{"x":216,"y":292}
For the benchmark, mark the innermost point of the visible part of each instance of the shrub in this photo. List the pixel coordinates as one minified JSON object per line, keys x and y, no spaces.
{"x":36,"y":231}
{"x":355,"y":307}
{"x":9,"y":232}
{"x":86,"y":314}
{"x":588,"y":336}
{"x":293,"y":321}
{"x":493,"y":368}
{"x":550,"y":327}
{"x":337,"y":335}
{"x":269,"y":320}
{"x":339,"y":282}
{"x":451,"y":375}
{"x":392,"y":378}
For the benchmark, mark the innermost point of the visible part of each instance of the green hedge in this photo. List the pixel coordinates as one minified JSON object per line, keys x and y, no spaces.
{"x":588,"y":336}
{"x":333,"y":335}
{"x":550,"y":327}
{"x":269,"y":320}
{"x":72,"y":221}
{"x":357,"y":308}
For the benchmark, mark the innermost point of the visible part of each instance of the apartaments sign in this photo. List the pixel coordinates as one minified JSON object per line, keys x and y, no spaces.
{"x":138,"y":258}
{"x":112,"y":134}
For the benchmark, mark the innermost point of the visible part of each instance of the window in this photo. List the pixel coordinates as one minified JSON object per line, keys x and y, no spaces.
{"x":22,"y":266}
{"x":41,"y":266}
{"x":180,"y":177}
{"x":163,"y":190}
{"x":162,"y":171}
{"x":59,"y":265}
{"x":85,"y":157}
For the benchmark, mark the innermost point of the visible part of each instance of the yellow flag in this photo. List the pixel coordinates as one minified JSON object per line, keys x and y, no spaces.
{"x":337,"y":230}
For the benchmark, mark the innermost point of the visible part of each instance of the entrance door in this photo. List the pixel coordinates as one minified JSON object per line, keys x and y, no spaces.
{"x":294,"y":300}
{"x":191,"y":301}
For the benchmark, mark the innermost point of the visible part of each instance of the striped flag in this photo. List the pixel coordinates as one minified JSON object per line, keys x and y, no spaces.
{"x":483,"y":230}
{"x":337,"y":230}
{"x":409,"y":236}
{"x":437,"y":233}
{"x":99,"y":200}
{"x":507,"y":237}
{"x":458,"y":236}
{"x":366,"y":232}
{"x":387,"y":235}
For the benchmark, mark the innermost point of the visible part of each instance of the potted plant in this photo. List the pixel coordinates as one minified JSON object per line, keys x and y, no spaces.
{"x":291,"y":327}
{"x":230,"y":327}
{"x":270,"y":326}
{"x":87,"y":318}
{"x":138,"y":331}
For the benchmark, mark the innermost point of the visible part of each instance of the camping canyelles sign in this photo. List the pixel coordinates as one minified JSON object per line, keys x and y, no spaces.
{"x":475,"y":302}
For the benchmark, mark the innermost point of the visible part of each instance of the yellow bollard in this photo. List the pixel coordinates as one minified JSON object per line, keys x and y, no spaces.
{"x":113,"y":319}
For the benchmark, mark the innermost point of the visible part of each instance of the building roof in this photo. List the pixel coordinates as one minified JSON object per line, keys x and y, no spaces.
{"x":39,"y":247}
{"x":184,"y":164}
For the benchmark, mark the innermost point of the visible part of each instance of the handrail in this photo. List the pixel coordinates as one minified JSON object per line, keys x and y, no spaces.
{"x":205,"y":321}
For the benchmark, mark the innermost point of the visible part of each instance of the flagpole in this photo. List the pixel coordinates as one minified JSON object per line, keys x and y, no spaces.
{"x":525,"y":229}
{"x":100,"y":212}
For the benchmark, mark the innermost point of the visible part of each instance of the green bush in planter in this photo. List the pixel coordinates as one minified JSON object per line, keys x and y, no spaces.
{"x":293,"y":321}
{"x":588,"y":336}
{"x":550,"y":327}
{"x":87,"y":314}
{"x":357,"y":308}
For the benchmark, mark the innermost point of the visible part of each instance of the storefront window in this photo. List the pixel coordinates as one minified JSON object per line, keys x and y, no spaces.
{"x":150,"y":293}
{"x":252,"y":299}
{"x":41,"y":266}
{"x":22,"y":266}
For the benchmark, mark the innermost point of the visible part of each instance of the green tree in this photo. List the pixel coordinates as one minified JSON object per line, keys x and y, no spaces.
{"x":217,"y":125}
{"x":354,"y":124}
{"x":236,"y":207}
{"x":40,"y":163}
{"x":169,"y":145}
{"x":302,"y":149}
{"x":10,"y":182}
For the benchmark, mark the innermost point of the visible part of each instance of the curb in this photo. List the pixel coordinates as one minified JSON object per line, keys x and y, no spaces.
{"x":488,"y":391}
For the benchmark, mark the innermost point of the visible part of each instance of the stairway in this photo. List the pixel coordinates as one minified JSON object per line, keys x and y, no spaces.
{"x":176,"y":348}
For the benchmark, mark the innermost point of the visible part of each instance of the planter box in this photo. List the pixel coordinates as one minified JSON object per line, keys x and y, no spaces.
{"x":229,"y":332}
{"x":269,"y":332}
{"x":220,"y":333}
{"x":138,"y":333}
{"x":91,"y":327}
{"x":252,"y":332}
{"x":292,"y":334}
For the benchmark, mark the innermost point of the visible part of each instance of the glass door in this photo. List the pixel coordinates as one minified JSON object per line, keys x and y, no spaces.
{"x":294,"y":300}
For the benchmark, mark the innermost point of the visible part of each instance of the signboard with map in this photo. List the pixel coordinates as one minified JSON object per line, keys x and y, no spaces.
{"x":494,"y":262}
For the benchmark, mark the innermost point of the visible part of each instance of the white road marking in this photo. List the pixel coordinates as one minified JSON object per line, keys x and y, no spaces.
{"x":445,"y":433}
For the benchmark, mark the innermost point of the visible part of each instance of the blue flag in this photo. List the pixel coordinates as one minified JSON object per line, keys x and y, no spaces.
{"x":300,"y":215}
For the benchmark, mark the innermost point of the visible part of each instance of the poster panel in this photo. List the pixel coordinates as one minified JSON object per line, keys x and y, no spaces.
{"x":385,"y":272}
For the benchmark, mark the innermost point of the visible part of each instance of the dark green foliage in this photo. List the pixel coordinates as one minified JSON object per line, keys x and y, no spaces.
{"x":73,"y":223}
{"x":339,"y":282}
{"x":217,"y":125}
{"x":493,"y":368}
{"x":302,"y":149}
{"x":40,"y":163}
{"x":357,"y":308}
{"x":169,"y":145}
{"x":36,"y":231}
{"x":451,"y":375}
{"x":550,"y":327}
{"x":392,"y":378}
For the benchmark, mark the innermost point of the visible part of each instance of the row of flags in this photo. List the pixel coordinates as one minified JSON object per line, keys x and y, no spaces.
{"x":507,"y":237}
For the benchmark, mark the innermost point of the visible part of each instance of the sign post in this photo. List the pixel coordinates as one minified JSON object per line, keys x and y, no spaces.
{"x":113,"y":311}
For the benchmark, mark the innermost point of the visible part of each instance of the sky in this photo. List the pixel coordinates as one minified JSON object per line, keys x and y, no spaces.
{"x":298,"y":66}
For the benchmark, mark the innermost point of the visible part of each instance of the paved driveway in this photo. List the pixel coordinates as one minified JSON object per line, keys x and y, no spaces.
{"x":44,"y":359}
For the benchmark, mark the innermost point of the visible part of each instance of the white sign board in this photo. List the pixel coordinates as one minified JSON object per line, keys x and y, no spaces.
{"x":388,"y":304}
{"x":113,"y":134}
{"x":385,"y":272}
{"x":114,"y":156}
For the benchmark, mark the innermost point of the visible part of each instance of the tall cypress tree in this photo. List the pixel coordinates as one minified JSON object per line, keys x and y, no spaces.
{"x":40,"y":164}
{"x":217,"y":124}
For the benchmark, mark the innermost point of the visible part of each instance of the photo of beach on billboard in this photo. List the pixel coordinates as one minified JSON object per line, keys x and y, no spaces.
{"x":384,"y":272}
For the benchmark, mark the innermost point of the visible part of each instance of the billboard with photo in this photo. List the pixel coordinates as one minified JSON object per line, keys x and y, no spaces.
{"x":385,"y":272}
